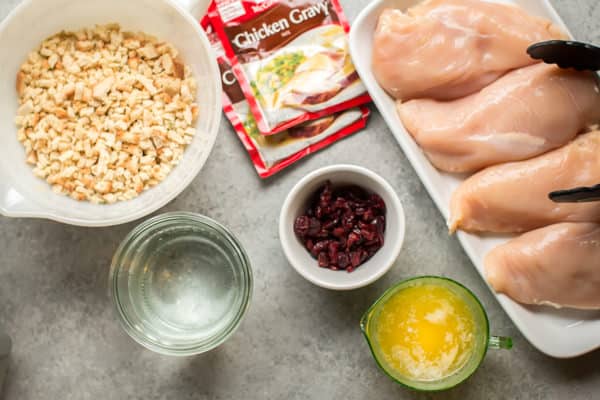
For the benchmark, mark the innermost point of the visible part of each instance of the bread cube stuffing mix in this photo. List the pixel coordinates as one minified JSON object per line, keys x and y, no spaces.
{"x":105,"y":114}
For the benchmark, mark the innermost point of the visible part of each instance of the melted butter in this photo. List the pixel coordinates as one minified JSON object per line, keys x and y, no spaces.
{"x":425,"y":332}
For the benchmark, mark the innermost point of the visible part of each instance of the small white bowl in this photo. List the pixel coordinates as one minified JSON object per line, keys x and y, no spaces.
{"x":24,"y":195}
{"x":295,"y":205}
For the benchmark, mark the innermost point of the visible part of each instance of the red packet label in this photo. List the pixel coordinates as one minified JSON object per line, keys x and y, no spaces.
{"x":273,"y":153}
{"x":290,"y":57}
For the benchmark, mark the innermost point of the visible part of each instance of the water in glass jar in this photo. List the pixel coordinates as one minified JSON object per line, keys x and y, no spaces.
{"x":183,"y":286}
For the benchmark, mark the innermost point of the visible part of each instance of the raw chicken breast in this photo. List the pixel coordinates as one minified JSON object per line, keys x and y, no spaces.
{"x":527,"y":112}
{"x":558,"y":265}
{"x":445,"y":49}
{"x":513,"y":197}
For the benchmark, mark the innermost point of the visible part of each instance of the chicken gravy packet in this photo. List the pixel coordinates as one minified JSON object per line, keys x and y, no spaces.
{"x":271,"y":154}
{"x":290,"y":57}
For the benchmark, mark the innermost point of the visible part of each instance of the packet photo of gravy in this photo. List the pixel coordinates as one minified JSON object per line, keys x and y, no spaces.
{"x":290,"y":57}
{"x":271,"y":154}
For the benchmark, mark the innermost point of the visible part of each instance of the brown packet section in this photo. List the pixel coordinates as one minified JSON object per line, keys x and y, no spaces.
{"x":290,"y":58}
{"x":271,"y":154}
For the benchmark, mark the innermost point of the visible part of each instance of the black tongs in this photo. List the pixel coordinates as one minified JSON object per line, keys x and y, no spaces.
{"x":582,"y":57}
{"x":567,"y":54}
{"x":577,"y":195}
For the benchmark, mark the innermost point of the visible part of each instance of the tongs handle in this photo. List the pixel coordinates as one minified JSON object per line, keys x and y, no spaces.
{"x":567,"y":54}
{"x":576,"y":195}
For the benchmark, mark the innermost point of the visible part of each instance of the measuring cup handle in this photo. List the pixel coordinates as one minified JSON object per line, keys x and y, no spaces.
{"x":500,"y":342}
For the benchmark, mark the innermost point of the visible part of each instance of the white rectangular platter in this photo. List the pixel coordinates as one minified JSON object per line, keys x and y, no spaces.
{"x":559,"y":333}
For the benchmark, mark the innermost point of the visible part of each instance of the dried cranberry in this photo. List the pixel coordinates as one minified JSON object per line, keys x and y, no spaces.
{"x":353,"y":239}
{"x":372,"y":249}
{"x":377,"y":203}
{"x":314,"y":226}
{"x":322,"y":234}
{"x":319,"y":212}
{"x":309,"y":244}
{"x":363,"y":256}
{"x":333,"y":250}
{"x":302,"y":226}
{"x":355,"y":258}
{"x":320,"y":247}
{"x":331,"y":224}
{"x":348,"y":222}
{"x":368,"y":215}
{"x":340,"y":204}
{"x":323,"y":260}
{"x":326,"y":193}
{"x":355,"y":192}
{"x":337,"y":214}
{"x":342,"y":260}
{"x":379,"y":223}
{"x":368,"y":234}
{"x":338,"y":232}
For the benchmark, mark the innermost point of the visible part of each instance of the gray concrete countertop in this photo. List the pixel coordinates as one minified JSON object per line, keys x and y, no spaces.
{"x":297,"y":341}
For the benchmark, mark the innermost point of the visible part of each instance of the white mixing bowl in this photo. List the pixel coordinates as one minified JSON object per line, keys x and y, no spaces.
{"x":24,"y":195}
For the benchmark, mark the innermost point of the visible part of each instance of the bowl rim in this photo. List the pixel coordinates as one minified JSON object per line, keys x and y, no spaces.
{"x":286,"y":239}
{"x":32,"y":210}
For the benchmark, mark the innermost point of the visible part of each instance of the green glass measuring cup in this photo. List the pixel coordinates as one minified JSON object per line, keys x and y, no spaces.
{"x":478,"y":349}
